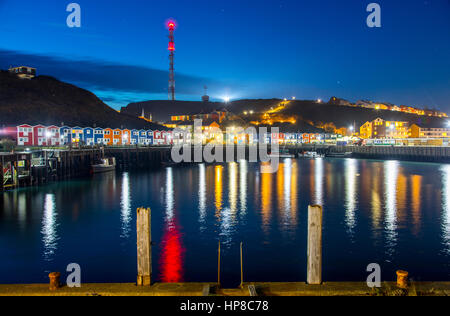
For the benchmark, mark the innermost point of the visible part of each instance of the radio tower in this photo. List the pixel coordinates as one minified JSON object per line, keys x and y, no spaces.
{"x":171,"y":26}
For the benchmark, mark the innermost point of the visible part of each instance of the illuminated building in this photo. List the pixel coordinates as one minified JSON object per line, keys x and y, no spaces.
{"x":428,"y":131}
{"x":366,"y":130}
{"x":23,"y":72}
{"x":388,"y":129}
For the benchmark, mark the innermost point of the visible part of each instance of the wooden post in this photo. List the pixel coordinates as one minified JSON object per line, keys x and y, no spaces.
{"x":218,"y":267}
{"x":144,"y":247}
{"x":314,"y":268}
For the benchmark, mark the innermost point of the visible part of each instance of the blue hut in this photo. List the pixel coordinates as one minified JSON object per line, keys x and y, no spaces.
{"x":134,"y":137}
{"x":77,"y":134}
{"x":143,"y":137}
{"x":66,"y":135}
{"x":88,"y":136}
{"x":149,"y":137}
{"x":99,"y":136}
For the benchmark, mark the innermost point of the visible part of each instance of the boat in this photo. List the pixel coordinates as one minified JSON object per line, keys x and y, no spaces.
{"x":284,"y":153}
{"x":339,"y":155}
{"x":310,"y":154}
{"x":106,"y":165}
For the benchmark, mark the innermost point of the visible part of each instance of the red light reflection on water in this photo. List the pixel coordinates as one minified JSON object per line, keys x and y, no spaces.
{"x":172,"y":255}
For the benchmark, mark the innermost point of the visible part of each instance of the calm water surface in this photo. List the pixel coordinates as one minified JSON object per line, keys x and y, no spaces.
{"x":393,"y":213}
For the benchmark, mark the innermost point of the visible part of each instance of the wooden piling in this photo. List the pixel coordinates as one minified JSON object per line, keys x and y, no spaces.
{"x":144,"y":247}
{"x":314,"y":267}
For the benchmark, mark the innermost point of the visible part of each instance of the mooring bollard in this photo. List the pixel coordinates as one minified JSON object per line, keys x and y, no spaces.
{"x":54,"y":281}
{"x":144,"y":246}
{"x":402,"y":279}
{"x":314,"y":268}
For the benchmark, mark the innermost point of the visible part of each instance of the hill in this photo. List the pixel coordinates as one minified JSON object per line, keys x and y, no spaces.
{"x":45,"y":100}
{"x":306,"y":113}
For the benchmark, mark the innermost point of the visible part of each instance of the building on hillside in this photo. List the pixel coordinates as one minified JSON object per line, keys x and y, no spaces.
{"x":23,"y":72}
{"x":146,"y":117}
{"x":338,"y":101}
{"x":25,"y":135}
{"x":389,"y":129}
{"x":428,"y":131}
{"x":380,"y":106}
{"x":365,"y":104}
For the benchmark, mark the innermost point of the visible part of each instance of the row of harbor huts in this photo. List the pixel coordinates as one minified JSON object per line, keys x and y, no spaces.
{"x":40,"y":135}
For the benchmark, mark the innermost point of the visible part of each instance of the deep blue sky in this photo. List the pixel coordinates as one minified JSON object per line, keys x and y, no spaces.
{"x":241,"y":48}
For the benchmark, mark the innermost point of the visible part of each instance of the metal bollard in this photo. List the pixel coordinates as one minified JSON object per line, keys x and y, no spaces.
{"x":54,"y":280}
{"x":402,"y":279}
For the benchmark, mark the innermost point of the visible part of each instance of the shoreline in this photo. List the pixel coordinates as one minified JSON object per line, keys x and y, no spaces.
{"x":211,"y":289}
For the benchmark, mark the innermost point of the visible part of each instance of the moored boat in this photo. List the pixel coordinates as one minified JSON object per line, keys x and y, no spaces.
{"x":106,"y":165}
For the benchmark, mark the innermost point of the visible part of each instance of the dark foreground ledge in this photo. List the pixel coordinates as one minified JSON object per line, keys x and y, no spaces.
{"x":210,"y":289}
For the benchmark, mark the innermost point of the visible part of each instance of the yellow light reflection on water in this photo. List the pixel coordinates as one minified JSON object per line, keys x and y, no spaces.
{"x":266,"y":199}
{"x":294,"y":192}
{"x":416,"y":202}
{"x":218,"y":190}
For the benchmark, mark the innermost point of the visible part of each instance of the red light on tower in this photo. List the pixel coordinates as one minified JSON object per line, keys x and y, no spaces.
{"x":171,"y":26}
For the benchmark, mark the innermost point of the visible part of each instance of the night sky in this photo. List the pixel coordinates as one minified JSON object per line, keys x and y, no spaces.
{"x":239,"y":48}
